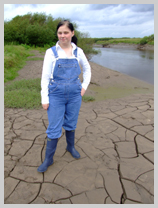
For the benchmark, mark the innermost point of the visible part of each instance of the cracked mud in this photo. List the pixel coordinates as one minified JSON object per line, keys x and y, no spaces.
{"x":115,"y":139}
{"x":116,"y":143}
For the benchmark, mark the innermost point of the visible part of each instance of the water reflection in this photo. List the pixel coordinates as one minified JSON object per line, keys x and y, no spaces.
{"x":148,"y":55}
{"x":136,"y":63}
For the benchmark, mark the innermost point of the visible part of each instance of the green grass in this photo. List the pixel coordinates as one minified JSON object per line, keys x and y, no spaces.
{"x":145,"y":40}
{"x":14,"y":59}
{"x":23,"y":94}
{"x":121,"y":40}
{"x":88,"y":98}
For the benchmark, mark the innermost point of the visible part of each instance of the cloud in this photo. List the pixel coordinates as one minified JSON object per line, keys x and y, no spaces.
{"x":101,"y":6}
{"x":99,"y":20}
{"x":132,"y":7}
{"x":142,"y":7}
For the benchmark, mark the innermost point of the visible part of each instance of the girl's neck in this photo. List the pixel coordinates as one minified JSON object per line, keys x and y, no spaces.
{"x":67,"y":49}
{"x":65,"y":46}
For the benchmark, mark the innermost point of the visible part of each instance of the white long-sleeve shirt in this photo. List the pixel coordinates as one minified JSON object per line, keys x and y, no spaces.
{"x":49,"y":64}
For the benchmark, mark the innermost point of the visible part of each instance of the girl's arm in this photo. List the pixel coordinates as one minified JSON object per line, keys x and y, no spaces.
{"x":46,"y":74}
{"x":86,"y":69}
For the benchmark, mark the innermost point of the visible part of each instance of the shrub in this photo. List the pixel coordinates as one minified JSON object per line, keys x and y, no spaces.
{"x":88,"y":98}
{"x":147,"y":39}
{"x":144,"y":40}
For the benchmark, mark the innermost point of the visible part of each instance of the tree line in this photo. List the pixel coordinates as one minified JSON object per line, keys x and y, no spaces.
{"x":39,"y":30}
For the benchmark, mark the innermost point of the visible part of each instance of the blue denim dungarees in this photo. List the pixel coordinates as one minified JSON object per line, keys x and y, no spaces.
{"x":64,"y":96}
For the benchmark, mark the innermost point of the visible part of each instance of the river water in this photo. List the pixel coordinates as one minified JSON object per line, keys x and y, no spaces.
{"x":133,"y":62}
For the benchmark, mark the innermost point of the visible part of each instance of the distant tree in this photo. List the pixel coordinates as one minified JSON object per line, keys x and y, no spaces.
{"x":39,"y":18}
{"x":9,"y":32}
{"x":33,"y":34}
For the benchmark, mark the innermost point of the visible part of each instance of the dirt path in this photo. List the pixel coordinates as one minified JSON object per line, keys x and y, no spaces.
{"x":32,"y":69}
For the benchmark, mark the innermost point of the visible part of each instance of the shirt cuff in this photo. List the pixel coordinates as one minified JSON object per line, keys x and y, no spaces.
{"x":85,"y":86}
{"x":45,"y":100}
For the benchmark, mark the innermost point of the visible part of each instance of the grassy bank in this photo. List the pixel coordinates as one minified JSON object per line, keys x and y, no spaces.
{"x":120,"y":40}
{"x":145,"y":40}
{"x":23,"y":94}
{"x":14,"y":59}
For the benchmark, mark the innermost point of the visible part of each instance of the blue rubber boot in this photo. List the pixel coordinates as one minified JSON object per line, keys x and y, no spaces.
{"x":70,"y":138}
{"x":50,"y":150}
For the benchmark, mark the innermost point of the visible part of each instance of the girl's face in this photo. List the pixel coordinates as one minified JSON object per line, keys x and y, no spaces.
{"x":64,"y":34}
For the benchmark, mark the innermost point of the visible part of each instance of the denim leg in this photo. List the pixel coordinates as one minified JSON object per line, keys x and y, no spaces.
{"x":55,"y":113}
{"x":72,"y":109}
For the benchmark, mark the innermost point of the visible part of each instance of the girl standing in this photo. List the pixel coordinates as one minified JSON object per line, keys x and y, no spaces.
{"x":62,"y":90}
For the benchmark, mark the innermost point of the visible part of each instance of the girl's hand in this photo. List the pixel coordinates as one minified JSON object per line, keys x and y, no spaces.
{"x":83,"y":91}
{"x":45,"y":106}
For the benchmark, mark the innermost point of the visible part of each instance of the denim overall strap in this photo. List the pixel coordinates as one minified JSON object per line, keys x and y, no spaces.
{"x":75,"y":52}
{"x":54,"y":51}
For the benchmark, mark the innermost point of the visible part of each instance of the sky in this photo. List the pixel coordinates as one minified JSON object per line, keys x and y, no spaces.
{"x":97,"y":20}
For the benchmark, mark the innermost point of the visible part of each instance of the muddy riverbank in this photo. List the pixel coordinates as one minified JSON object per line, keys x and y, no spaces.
{"x":127,"y":46}
{"x":109,"y":84}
